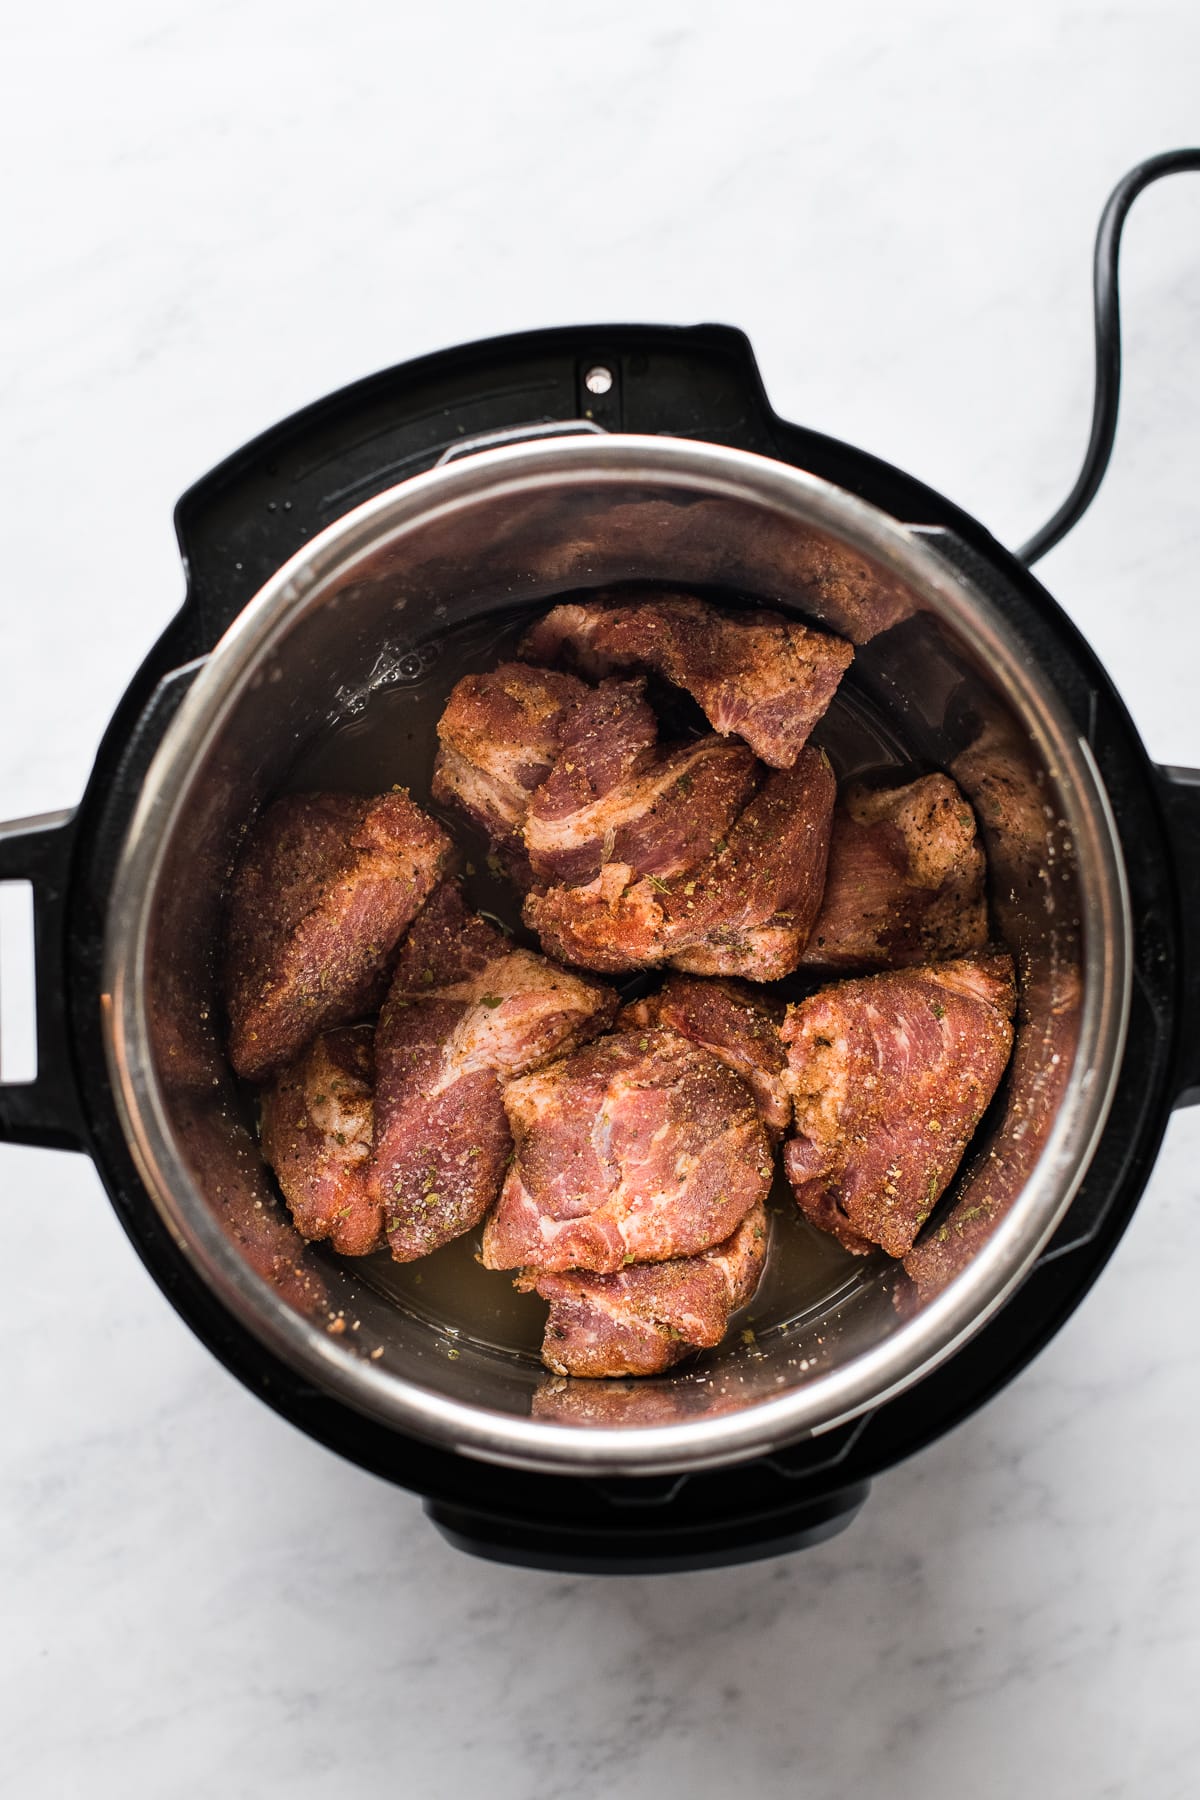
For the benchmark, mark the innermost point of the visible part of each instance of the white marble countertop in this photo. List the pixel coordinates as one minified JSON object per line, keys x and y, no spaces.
{"x":214,"y":214}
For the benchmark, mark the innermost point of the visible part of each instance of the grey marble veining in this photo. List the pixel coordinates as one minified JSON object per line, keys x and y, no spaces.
{"x":214,"y":214}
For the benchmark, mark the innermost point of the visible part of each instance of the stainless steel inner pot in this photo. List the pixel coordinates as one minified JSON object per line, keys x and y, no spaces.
{"x":350,"y":613}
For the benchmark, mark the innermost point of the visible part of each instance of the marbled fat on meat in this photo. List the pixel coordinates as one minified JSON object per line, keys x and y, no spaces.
{"x":890,"y":1075}
{"x":318,"y":1121}
{"x":905,"y":881}
{"x":614,"y":796}
{"x":643,"y":1319}
{"x":639,"y":1148}
{"x":499,"y":735}
{"x":734,"y":1022}
{"x":760,"y":675}
{"x":323,"y":891}
{"x":746,"y":910}
{"x":466,"y":1012}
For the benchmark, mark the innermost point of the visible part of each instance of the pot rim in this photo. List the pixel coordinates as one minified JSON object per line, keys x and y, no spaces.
{"x":917,"y":1345}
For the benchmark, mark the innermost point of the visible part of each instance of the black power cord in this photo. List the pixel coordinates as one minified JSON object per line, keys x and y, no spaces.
{"x":1108,"y":346}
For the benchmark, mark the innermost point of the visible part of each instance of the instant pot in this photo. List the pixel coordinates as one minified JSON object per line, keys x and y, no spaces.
{"x":327,"y":563}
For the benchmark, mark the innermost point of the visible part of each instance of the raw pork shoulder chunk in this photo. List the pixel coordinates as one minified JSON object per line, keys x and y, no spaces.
{"x":905,"y":882}
{"x":318,"y":1118}
{"x":639,"y":1148}
{"x":499,"y":736}
{"x":642,"y":1319}
{"x":890,"y":1076}
{"x":324,"y":889}
{"x":737,"y":1024}
{"x":465,"y":1013}
{"x":746,"y":910}
{"x":614,"y":796}
{"x":760,"y":675}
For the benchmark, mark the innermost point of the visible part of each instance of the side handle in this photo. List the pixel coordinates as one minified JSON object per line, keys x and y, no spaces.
{"x":46,"y":1109}
{"x":1180,"y":790}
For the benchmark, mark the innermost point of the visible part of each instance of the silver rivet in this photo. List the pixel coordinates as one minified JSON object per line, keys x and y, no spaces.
{"x":598,"y":380}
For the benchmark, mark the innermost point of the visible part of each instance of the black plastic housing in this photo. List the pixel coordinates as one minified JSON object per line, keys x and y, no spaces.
{"x":236,"y":527}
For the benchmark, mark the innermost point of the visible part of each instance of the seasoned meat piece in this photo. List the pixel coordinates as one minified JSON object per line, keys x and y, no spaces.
{"x":890,"y":1076}
{"x":318,"y":1118}
{"x":614,"y":924}
{"x":905,"y":881}
{"x":639,"y":1148}
{"x":324,"y":889}
{"x":760,"y":675}
{"x":499,"y":736}
{"x":737,"y":1024}
{"x":746,"y":911}
{"x":466,"y":1012}
{"x":613,"y":796}
{"x":642,"y":1319}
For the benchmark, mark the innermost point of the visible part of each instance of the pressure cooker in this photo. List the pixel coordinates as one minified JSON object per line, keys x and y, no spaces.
{"x":331,"y":561}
